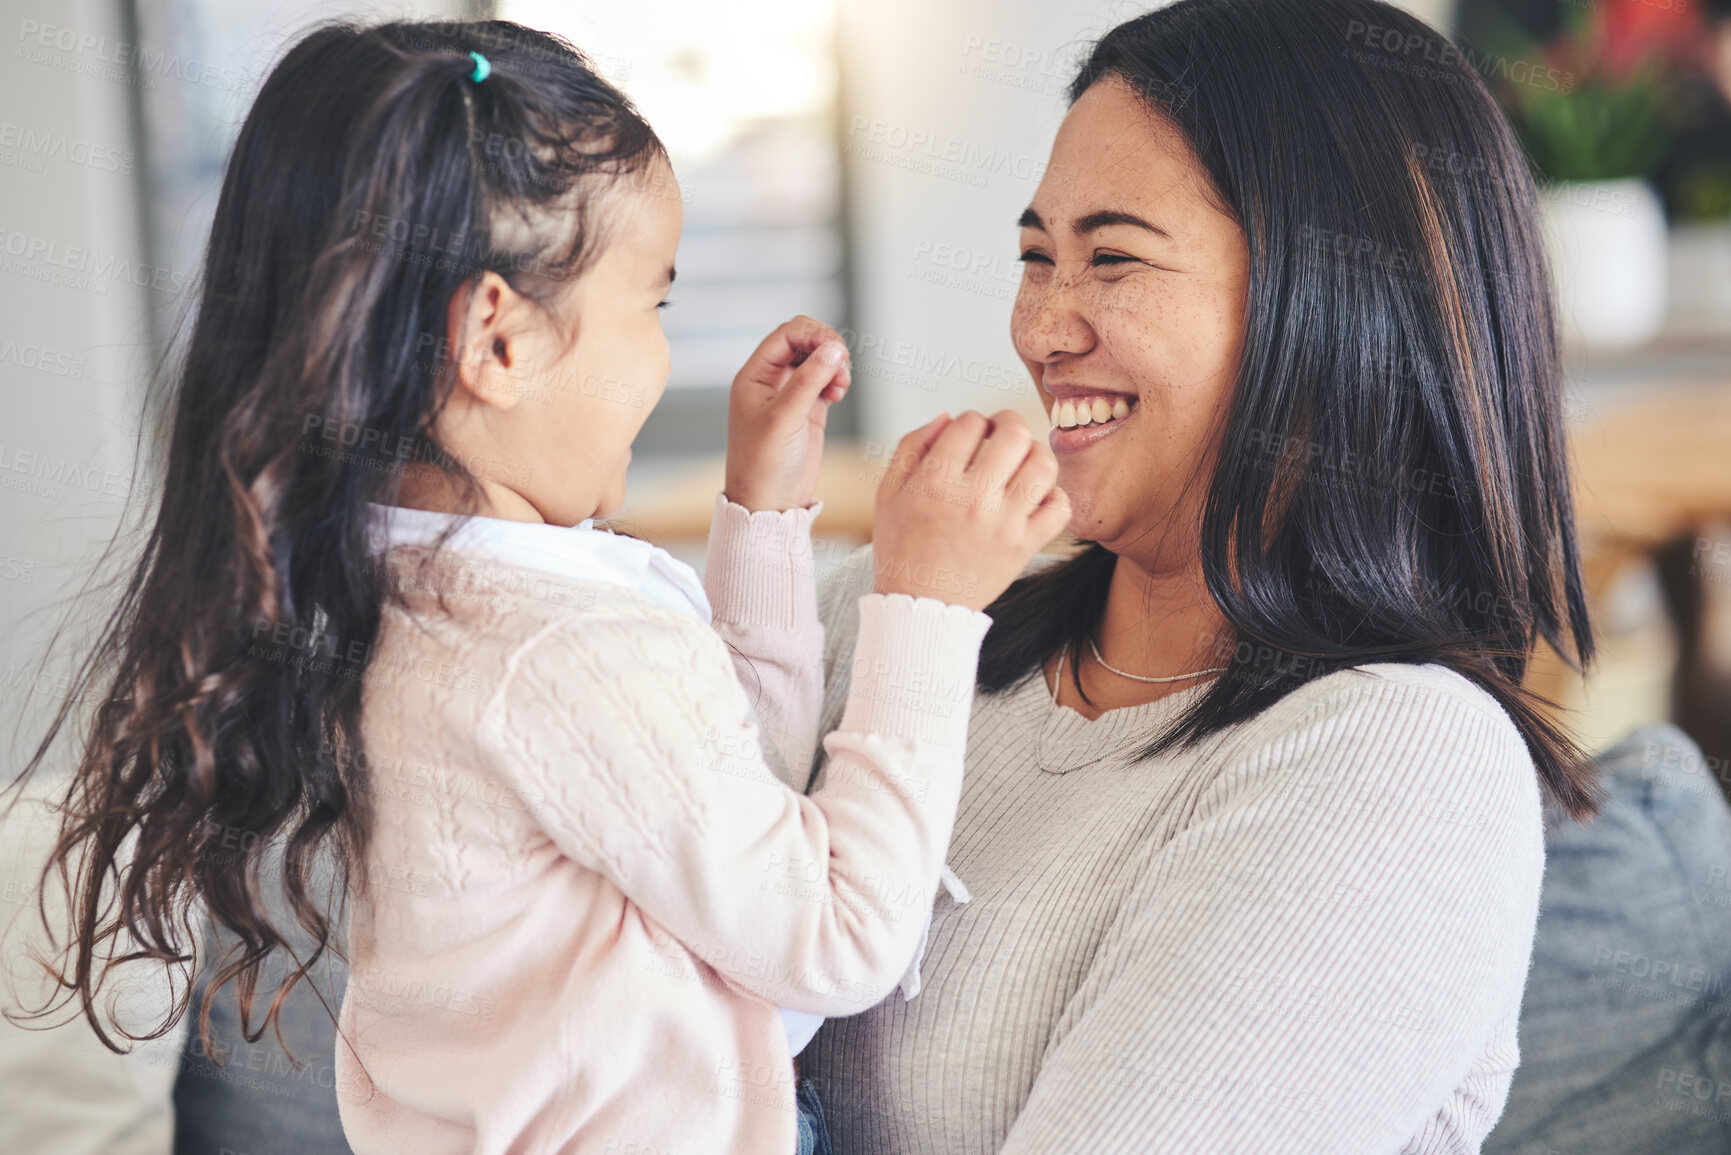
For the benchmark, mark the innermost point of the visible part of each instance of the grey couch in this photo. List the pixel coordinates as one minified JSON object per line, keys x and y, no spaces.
{"x":1626,"y":1025}
{"x":1625,"y":1030}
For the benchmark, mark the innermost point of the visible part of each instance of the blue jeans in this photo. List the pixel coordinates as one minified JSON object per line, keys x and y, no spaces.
{"x":813,"y":1137}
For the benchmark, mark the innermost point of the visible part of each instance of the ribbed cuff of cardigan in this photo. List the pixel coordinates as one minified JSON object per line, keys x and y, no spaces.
{"x":759,"y":569}
{"x":913,"y":669}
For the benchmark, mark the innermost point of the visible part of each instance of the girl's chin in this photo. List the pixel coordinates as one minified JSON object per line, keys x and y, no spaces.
{"x":612,"y":501}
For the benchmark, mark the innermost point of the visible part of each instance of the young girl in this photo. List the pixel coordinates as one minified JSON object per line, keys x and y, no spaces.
{"x":577,"y":893}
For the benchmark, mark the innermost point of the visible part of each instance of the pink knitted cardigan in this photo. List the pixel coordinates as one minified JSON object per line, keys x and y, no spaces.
{"x":587,"y":889}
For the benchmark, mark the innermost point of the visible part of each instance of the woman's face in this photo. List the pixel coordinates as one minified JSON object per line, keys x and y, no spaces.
{"x":1132,"y":303}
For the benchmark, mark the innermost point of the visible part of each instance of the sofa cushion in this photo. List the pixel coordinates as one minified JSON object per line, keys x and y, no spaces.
{"x":1624,"y":1031}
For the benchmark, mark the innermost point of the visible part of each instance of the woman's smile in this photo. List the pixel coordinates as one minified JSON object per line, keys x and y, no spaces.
{"x":1085,"y":421}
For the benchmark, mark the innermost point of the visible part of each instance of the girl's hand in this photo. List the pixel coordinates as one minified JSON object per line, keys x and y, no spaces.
{"x":962,"y":508}
{"x":776,"y":415}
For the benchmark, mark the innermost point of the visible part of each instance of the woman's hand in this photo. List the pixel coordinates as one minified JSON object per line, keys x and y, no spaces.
{"x":776,"y":415}
{"x":963,"y":506}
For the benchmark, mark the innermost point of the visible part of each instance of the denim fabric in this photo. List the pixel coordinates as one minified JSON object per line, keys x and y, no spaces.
{"x":813,"y":1135}
{"x":1625,"y":1028}
{"x":255,"y":1102}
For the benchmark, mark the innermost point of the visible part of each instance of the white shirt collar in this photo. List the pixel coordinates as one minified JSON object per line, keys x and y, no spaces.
{"x":580,"y":551}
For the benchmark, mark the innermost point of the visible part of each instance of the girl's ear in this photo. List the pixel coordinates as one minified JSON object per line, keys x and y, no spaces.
{"x":482,"y":331}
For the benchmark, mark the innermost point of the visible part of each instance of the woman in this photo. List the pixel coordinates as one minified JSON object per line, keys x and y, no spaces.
{"x":1253,"y":816}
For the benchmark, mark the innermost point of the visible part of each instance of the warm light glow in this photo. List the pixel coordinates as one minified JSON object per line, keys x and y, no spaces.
{"x":702,"y":71}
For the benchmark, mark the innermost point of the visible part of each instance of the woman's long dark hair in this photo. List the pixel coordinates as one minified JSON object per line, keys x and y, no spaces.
{"x":373,"y":180}
{"x":1391,"y":484}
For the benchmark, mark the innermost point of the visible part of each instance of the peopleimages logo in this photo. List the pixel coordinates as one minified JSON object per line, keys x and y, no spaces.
{"x":40,"y":146}
{"x":1019,"y":66}
{"x":1439,"y":58}
{"x":935,"y":153}
{"x":921,"y":366}
{"x":80,"y":267}
{"x":27,"y":355}
{"x":87,"y":52}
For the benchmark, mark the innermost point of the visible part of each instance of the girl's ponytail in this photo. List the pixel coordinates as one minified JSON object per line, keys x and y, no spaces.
{"x":373,"y":180}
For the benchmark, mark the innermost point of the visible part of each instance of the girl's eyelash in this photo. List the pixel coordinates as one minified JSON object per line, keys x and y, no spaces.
{"x":1031,"y":255}
{"x":664,"y":304}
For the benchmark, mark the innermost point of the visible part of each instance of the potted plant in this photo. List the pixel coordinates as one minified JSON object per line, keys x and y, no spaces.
{"x":1595,"y":137}
{"x":1697,"y":184}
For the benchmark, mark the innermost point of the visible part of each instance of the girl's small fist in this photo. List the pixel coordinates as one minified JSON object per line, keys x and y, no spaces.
{"x":777,"y":411}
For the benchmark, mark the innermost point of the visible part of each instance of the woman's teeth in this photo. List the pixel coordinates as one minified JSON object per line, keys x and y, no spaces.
{"x":1068,"y":414}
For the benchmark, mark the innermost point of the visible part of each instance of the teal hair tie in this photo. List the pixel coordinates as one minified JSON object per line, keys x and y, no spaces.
{"x":482,"y":68}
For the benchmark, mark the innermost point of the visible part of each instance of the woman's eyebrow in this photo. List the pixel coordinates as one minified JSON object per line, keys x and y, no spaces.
{"x":1099,"y":220}
{"x":1095,"y":220}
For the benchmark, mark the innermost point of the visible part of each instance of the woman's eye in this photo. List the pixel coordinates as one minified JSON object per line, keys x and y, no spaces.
{"x":1101,"y":259}
{"x":1033,"y":258}
{"x":664,"y":304}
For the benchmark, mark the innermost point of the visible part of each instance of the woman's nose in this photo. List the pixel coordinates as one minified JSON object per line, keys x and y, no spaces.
{"x":1053,"y":323}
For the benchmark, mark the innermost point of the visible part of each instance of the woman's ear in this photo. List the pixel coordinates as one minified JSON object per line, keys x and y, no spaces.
{"x":482,"y":326}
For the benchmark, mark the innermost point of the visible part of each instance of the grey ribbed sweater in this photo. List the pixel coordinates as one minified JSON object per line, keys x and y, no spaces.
{"x":1309,"y":935}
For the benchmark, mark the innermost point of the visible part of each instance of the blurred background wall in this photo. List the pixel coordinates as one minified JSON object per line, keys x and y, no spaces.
{"x":74,"y":339}
{"x":862,"y":161}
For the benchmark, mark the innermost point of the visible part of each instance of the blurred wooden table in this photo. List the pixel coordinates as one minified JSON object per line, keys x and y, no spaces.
{"x":1650,"y":454}
{"x":678,"y":507}
{"x":1653,"y":469}
{"x":1651,"y":463}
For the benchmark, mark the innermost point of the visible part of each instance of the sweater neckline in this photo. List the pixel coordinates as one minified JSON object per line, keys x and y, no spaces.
{"x":583,"y":552}
{"x":1066,"y":740}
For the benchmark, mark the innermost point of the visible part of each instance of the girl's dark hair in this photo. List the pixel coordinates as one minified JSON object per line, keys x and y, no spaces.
{"x":371,"y":182}
{"x":1391,"y":484}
